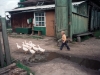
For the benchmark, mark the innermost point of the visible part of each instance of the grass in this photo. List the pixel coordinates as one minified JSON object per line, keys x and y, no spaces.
{"x":97,"y":34}
{"x":20,"y":65}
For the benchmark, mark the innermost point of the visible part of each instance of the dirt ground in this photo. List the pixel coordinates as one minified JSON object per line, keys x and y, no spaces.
{"x":62,"y":67}
{"x":87,"y":49}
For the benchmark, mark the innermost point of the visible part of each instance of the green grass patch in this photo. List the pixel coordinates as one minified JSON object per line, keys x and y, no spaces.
{"x":20,"y":65}
{"x":97,"y":34}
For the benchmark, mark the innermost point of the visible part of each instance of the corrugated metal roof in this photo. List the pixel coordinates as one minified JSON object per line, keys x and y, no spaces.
{"x":77,"y":3}
{"x":34,"y":8}
{"x":41,"y":7}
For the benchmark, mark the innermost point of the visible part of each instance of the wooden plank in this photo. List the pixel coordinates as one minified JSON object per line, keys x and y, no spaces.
{"x":85,"y":34}
{"x":5,"y":41}
{"x":1,"y":53}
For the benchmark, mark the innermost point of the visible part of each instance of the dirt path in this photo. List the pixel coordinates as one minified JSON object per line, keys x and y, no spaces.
{"x":87,"y":49}
{"x":62,"y":67}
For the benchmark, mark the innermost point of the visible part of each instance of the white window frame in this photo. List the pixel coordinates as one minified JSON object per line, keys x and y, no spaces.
{"x":40,"y":21}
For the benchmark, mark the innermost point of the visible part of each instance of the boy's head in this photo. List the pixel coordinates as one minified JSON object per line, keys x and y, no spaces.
{"x":62,"y":32}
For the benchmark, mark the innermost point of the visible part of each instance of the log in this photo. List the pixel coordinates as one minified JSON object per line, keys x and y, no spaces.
{"x":5,"y":71}
{"x":8,"y":67}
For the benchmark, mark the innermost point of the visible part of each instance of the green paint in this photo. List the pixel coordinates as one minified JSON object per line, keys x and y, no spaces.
{"x":20,"y":5}
{"x":22,"y":0}
{"x":61,"y":17}
{"x":24,"y":30}
{"x":43,"y":29}
{"x":79,"y":24}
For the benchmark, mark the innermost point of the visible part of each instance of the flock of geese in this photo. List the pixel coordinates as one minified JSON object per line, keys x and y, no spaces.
{"x":30,"y":47}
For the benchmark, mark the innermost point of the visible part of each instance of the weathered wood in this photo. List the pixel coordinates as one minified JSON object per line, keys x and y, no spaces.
{"x":1,"y":53}
{"x":5,"y":71}
{"x":5,"y":41}
{"x":89,"y":33}
{"x":8,"y":67}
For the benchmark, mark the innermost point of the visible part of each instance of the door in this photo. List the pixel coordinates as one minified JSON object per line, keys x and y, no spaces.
{"x":63,"y":16}
{"x":50,"y":23}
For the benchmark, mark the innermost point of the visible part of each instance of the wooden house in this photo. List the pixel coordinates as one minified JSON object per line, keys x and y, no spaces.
{"x":39,"y":16}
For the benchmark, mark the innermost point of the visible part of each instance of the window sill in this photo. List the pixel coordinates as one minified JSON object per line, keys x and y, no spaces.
{"x":39,"y":26}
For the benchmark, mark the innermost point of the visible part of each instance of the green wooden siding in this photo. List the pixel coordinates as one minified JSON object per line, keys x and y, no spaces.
{"x":83,"y":9}
{"x":79,"y":24}
{"x":95,"y":20}
{"x":43,"y":29}
{"x":61,"y":17}
{"x":22,"y":0}
{"x":80,"y":9}
{"x":24,"y":30}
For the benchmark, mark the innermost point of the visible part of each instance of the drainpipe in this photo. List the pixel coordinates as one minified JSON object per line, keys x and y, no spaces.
{"x":70,"y":18}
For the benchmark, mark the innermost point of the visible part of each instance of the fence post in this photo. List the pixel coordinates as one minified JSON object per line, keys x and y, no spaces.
{"x":1,"y":53}
{"x":5,"y":41}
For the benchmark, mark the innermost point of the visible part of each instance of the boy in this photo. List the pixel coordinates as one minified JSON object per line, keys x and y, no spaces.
{"x":64,"y":41}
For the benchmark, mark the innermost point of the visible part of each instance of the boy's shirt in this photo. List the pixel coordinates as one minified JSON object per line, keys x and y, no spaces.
{"x":64,"y":38}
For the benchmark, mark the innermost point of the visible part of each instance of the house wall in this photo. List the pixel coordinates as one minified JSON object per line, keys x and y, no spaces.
{"x":79,"y":24}
{"x":20,"y":20}
{"x":50,"y":23}
{"x":49,"y":30}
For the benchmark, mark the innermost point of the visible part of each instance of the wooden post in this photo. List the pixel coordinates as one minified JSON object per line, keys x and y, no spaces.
{"x":1,"y":53}
{"x":5,"y":41}
{"x":70,"y":18}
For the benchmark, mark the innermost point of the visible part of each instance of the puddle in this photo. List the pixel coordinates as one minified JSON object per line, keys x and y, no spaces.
{"x":88,"y":63}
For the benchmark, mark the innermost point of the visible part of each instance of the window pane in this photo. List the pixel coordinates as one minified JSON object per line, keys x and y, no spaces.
{"x":36,"y":14}
{"x":37,"y":23}
{"x":37,"y":19}
{"x":42,"y":14}
{"x":42,"y":18}
{"x":43,"y":24}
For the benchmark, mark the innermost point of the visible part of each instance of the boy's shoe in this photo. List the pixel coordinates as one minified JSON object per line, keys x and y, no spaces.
{"x":68,"y":49}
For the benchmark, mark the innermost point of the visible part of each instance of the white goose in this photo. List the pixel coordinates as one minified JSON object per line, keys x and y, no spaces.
{"x":32,"y":51}
{"x":26,"y":46}
{"x":31,"y":44}
{"x":25,"y":49}
{"x":18,"y":46}
{"x":41,"y":49}
{"x":26,"y":43}
{"x":36,"y":48}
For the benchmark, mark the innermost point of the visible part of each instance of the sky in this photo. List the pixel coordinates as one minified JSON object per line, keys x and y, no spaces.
{"x":6,"y":5}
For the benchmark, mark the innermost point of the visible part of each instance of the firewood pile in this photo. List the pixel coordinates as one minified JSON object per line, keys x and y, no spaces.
{"x":12,"y":70}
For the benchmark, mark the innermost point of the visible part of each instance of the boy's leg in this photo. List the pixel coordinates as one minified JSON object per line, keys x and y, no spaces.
{"x":62,"y":46}
{"x":67,"y":46}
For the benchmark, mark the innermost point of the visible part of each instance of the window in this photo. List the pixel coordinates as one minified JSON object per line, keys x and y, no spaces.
{"x":39,"y":18}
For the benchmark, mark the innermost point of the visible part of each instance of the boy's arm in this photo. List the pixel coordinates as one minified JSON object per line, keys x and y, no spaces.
{"x":64,"y":39}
